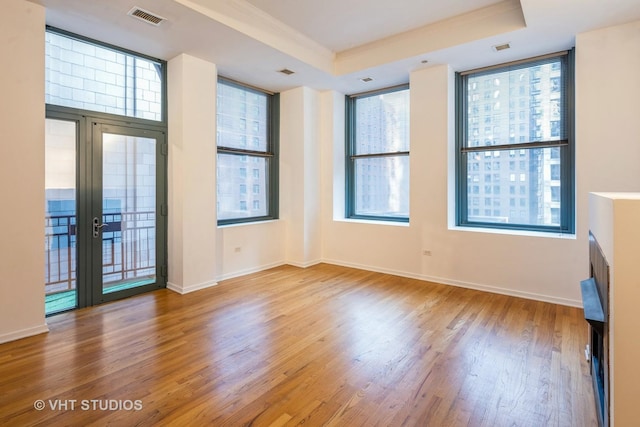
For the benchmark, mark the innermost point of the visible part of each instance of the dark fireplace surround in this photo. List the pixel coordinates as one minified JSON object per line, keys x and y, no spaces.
{"x":595,"y":300}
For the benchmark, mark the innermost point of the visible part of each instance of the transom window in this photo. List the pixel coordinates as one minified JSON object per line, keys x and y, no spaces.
{"x":377,"y":164}
{"x":247,"y":136}
{"x":516,"y":121}
{"x":85,"y":75}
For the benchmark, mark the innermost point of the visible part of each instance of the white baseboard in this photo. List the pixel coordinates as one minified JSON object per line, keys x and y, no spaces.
{"x":244,"y":272}
{"x":190,"y":288}
{"x":462,"y":284}
{"x":24,"y":333}
{"x":266,"y":267}
{"x":304,"y":264}
{"x":440,"y":280}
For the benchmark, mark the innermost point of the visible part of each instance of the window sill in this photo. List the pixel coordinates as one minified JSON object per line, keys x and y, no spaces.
{"x":372,"y":222}
{"x":523,"y":233}
{"x":241,"y":224}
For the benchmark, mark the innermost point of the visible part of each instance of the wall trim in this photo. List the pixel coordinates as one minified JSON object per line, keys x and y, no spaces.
{"x":439,"y":280}
{"x":306,"y":264}
{"x":24,"y":333}
{"x":463,"y":284}
{"x":191,"y":288}
{"x":244,"y":272}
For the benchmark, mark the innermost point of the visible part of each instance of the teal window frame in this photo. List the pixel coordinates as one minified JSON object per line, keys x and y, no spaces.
{"x":271,"y":154}
{"x":351,"y":156}
{"x":565,"y":145}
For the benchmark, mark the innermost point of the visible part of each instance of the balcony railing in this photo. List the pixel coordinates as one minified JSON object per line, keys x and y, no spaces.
{"x":128,"y":249}
{"x":60,"y":253}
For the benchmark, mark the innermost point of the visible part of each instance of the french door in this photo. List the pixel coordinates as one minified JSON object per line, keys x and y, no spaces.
{"x":105,"y":226}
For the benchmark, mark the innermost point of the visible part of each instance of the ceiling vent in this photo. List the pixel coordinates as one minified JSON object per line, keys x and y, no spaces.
{"x":146,"y":16}
{"x":286,"y":71}
{"x":366,"y":79}
{"x":500,"y":47}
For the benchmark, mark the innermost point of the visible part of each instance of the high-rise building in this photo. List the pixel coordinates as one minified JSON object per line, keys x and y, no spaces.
{"x":514,"y":185}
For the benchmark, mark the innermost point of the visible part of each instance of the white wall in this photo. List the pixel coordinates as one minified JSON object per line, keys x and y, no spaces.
{"x":22,"y":117}
{"x":533,"y":266}
{"x":247,"y":248}
{"x":547,"y":267}
{"x":312,"y":128}
{"x":608,"y":113}
{"x":295,"y":238}
{"x":543,"y":268}
{"x":375,"y":246}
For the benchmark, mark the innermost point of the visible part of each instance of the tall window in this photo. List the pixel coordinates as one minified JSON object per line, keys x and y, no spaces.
{"x":377,"y":164}
{"x":517,"y":121}
{"x":247,"y":140}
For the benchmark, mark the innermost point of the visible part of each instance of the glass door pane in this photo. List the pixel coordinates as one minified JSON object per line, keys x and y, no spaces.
{"x":60,"y":216}
{"x":128,"y":220}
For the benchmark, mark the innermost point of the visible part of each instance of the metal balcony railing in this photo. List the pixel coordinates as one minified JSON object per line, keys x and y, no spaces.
{"x":128,"y":249}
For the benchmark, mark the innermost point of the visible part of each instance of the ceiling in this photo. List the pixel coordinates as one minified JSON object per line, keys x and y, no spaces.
{"x":341,"y":25}
{"x":333,"y":44}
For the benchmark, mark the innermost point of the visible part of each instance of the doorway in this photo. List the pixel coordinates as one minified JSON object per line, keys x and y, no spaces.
{"x":105,"y":196}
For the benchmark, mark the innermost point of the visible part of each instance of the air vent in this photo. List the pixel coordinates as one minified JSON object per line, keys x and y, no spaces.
{"x":366,"y":79}
{"x":146,"y":16}
{"x":500,"y":47}
{"x":286,"y":71}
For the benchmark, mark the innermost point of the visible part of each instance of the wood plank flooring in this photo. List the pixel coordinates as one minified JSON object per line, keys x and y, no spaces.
{"x":322,"y":346}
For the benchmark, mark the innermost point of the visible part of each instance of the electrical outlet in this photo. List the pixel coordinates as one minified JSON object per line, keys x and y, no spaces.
{"x":426,"y":253}
{"x":238,"y":249}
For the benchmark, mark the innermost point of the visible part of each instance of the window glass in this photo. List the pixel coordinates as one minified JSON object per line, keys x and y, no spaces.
{"x":382,"y":123}
{"x":235,"y":106}
{"x":378,"y":148}
{"x":538,"y":90}
{"x":246,"y":160}
{"x":382,"y":186}
{"x":232,"y":188}
{"x":537,"y":188}
{"x":84,"y":75}
{"x":530,"y":130}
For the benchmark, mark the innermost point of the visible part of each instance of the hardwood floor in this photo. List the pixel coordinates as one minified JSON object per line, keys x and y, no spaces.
{"x":323,"y":346}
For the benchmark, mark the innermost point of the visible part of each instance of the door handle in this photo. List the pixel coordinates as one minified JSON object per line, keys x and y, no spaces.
{"x":97,"y":227}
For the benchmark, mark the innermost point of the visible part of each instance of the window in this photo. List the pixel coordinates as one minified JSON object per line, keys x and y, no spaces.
{"x":236,"y":103}
{"x":542,"y":125}
{"x":377,"y":171}
{"x":85,"y":75}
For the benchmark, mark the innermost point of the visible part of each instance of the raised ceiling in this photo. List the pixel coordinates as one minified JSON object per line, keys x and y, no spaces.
{"x":332,"y":44}
{"x":340,"y":25}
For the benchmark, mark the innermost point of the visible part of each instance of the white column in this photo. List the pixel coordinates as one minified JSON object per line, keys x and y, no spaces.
{"x":300,"y":175}
{"x":192,"y":173}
